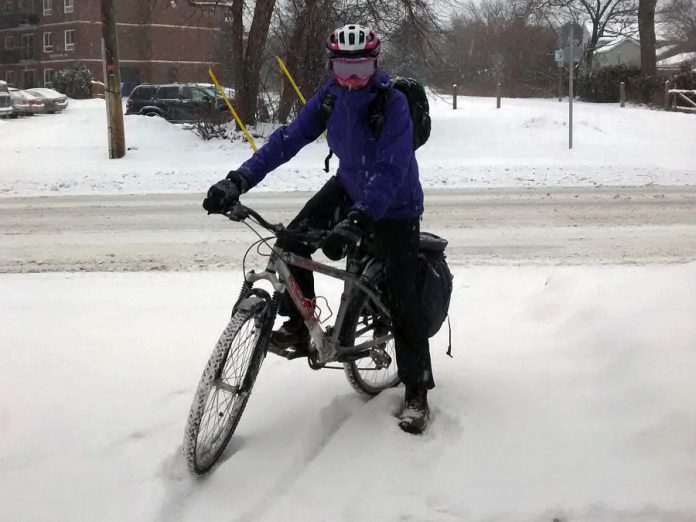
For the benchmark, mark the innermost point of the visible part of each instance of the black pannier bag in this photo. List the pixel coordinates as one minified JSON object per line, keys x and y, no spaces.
{"x":434,"y":281}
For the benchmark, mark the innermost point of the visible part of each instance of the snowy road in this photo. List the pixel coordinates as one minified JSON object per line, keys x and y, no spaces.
{"x":497,"y":226}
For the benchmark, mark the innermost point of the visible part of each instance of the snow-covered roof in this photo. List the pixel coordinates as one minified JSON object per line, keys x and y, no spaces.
{"x":667,"y":49}
{"x":613,"y":43}
{"x":677,"y":59}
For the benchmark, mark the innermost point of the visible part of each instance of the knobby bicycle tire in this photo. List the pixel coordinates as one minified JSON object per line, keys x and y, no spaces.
{"x":213,"y":381}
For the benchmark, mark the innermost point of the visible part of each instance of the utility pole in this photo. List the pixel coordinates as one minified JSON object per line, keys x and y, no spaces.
{"x":571,"y":68}
{"x":112,"y":81}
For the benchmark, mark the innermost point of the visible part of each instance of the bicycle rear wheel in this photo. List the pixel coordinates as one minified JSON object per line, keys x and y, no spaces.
{"x":369,"y":375}
{"x":226,"y":384}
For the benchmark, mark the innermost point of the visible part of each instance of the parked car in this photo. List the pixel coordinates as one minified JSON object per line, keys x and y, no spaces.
{"x":25,"y":103}
{"x":6,"y":109}
{"x":53,"y":100}
{"x":175,"y":102}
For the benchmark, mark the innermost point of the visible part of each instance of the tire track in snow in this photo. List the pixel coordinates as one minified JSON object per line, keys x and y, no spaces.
{"x":331,"y":418}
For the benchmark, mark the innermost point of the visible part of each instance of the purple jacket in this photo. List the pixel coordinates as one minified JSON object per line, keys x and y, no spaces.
{"x":379,"y":173}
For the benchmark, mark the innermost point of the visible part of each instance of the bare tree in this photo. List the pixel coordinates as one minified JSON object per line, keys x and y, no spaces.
{"x":679,"y":17}
{"x":301,"y":26}
{"x":646,"y":27}
{"x":605,"y":17}
{"x":247,"y":53}
{"x":507,"y":30}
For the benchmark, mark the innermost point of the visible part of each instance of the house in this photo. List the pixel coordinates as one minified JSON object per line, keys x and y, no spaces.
{"x":671,"y":58}
{"x":159,"y":41}
{"x":617,"y":51}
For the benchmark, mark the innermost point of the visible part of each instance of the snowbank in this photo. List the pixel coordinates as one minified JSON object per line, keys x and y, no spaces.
{"x":522,"y":144}
{"x":571,"y":396}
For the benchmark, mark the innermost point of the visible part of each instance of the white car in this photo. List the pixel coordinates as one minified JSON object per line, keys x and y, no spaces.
{"x":6,"y":109}
{"x":25,"y":104}
{"x":53,"y":100}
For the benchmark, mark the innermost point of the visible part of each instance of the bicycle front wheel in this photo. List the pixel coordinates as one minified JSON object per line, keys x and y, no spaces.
{"x":226,"y":384}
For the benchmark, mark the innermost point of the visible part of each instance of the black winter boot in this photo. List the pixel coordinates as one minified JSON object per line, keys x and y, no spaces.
{"x":293,"y":334}
{"x":415,"y":413}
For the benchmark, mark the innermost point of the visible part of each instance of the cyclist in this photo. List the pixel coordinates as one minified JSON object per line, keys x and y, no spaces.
{"x":376,"y":190}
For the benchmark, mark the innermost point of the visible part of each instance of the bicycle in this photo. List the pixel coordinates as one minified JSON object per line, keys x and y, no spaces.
{"x":360,"y":339}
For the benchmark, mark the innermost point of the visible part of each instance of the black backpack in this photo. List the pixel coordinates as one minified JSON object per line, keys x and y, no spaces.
{"x":417,"y":104}
{"x":420,"y":109}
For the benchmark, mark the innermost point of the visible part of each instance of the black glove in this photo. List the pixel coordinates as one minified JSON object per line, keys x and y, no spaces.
{"x":346,"y":235}
{"x":225,"y":193}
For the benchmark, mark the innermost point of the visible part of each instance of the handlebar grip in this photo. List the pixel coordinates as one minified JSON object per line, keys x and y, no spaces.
{"x":238,"y":212}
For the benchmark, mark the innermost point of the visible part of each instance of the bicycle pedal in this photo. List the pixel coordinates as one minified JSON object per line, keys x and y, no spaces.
{"x":287,"y":352}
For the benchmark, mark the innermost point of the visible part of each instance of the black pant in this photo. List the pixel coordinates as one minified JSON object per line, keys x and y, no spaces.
{"x":396,"y":245}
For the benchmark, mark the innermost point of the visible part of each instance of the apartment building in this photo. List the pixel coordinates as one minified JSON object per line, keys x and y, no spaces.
{"x":159,"y":40}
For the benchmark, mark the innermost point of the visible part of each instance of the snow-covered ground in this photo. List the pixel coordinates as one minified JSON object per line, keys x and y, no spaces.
{"x":571,"y":396}
{"x":523,"y":144}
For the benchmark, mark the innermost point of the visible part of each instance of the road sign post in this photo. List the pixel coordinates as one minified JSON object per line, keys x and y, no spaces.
{"x":569,"y":32}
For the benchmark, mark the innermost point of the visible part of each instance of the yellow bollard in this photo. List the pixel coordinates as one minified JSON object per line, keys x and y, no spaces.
{"x":297,"y":89}
{"x":234,"y":113}
{"x":287,"y":73}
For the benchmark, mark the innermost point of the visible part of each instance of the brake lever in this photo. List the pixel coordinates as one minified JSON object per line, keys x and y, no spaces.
{"x":237,"y":213}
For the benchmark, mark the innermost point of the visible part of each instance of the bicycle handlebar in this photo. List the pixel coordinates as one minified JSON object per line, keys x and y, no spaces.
{"x":309,"y":236}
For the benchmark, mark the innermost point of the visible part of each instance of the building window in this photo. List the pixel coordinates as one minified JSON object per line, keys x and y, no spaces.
{"x":48,"y":42}
{"x":47,"y":7}
{"x":70,"y":40}
{"x":27,"y":47}
{"x":48,"y":77}
{"x":8,"y":7}
{"x":28,"y":79}
{"x":9,"y":42}
{"x":10,"y":78}
{"x":68,"y":6}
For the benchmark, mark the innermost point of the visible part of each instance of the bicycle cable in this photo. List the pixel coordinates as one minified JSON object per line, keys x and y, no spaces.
{"x":257,"y":244}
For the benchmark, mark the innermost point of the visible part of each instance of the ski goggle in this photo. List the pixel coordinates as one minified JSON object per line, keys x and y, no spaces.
{"x":345,"y":68}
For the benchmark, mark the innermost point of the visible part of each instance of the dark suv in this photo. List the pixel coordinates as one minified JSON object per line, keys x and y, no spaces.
{"x":175,"y":102}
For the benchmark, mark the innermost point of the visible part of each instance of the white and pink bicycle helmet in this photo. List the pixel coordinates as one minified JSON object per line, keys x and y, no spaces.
{"x":353,"y":41}
{"x":353,"y":51}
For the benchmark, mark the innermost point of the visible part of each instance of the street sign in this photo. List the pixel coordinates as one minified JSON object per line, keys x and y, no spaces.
{"x":577,"y":54}
{"x":562,"y":56}
{"x":574,"y":28}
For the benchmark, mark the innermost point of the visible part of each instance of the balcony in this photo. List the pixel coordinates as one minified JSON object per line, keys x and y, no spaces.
{"x":18,"y":18}
{"x":8,"y":56}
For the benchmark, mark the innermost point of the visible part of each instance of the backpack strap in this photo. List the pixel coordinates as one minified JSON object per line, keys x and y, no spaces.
{"x":376,"y":109}
{"x":325,"y":110}
{"x":326,"y":107}
{"x":327,"y":159}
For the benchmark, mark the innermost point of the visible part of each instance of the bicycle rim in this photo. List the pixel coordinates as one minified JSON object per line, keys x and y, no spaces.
{"x":372,"y":377}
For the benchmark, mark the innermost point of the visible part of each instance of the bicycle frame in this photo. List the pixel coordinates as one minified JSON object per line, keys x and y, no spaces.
{"x":325,"y":341}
